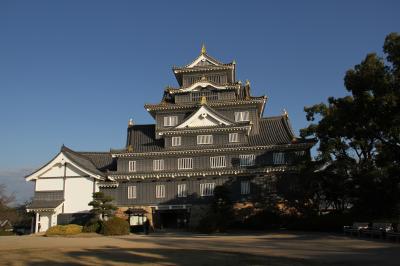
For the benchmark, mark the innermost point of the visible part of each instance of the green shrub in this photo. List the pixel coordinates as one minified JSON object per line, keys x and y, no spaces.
{"x":64,"y":230}
{"x":93,"y":227}
{"x":6,"y":233}
{"x":115,"y":226}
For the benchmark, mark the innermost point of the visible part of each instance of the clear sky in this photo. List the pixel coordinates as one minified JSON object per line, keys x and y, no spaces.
{"x":74,"y":72}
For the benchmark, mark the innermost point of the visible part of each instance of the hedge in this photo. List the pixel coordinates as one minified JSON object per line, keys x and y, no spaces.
{"x":64,"y":230}
{"x":115,"y":226}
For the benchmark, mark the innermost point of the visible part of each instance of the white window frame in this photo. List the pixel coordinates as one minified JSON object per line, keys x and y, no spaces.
{"x":242,"y":116}
{"x":132,"y":166}
{"x":278,"y":158}
{"x":233,"y":137}
{"x":247,"y":159}
{"x":218,"y":161}
{"x":158,"y":165}
{"x":205,"y":139}
{"x":160,"y":191}
{"x":207,"y":189}
{"x":132,"y":192}
{"x":170,"y":121}
{"x":182,"y":190}
{"x":245,"y":187}
{"x":176,"y":141}
{"x":185,"y":163}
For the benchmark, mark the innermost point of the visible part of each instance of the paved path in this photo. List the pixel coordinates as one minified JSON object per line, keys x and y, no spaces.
{"x":282,"y":249}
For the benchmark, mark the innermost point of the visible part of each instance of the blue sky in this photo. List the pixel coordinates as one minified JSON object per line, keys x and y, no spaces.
{"x":74,"y":72}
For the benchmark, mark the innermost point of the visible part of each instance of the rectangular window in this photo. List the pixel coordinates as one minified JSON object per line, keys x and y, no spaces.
{"x":131,"y":192}
{"x":217,"y":162}
{"x":185,"y":163}
{"x":182,"y":192}
{"x":204,"y":139}
{"x":176,"y":141}
{"x":132,"y":166}
{"x":233,"y":137}
{"x":170,"y":121}
{"x":207,"y":189}
{"x":247,"y":160}
{"x":158,"y":165}
{"x":160,"y":191}
{"x":278,"y":158}
{"x":245,"y":187}
{"x":242,"y":116}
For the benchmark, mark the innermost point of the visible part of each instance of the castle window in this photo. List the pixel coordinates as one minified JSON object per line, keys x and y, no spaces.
{"x":132,"y":166}
{"x":233,"y":137}
{"x":247,"y":160}
{"x":185,"y":163}
{"x":245,"y":187}
{"x":242,"y":116}
{"x":204,"y":139}
{"x":158,"y":165}
{"x":278,"y":158}
{"x":131,"y":192}
{"x":207,"y":189}
{"x":170,"y":121}
{"x":182,"y":192}
{"x":176,"y":141}
{"x":160,"y":191}
{"x":217,"y":162}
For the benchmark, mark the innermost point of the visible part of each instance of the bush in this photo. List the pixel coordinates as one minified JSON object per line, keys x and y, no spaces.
{"x":93,"y":227}
{"x":6,"y":233}
{"x":64,"y":230}
{"x":115,"y":226}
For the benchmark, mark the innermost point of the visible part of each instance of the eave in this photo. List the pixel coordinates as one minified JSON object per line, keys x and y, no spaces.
{"x":181,"y":131}
{"x":204,"y":173}
{"x":204,"y":150}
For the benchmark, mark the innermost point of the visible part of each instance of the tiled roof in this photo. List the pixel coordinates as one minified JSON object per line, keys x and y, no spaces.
{"x":142,"y":138}
{"x":95,"y":162}
{"x":273,"y":131}
{"x":44,"y":204}
{"x":102,"y":160}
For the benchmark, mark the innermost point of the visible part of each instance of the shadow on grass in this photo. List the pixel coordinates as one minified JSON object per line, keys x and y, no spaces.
{"x":112,"y":256}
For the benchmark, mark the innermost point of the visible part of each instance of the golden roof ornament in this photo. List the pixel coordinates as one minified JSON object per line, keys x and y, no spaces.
{"x":130,"y":122}
{"x":130,"y":148}
{"x":203,"y":100}
{"x":285,"y":113}
{"x":247,"y":82}
{"x":203,"y":49}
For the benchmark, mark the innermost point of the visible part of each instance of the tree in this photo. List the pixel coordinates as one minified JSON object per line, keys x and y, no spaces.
{"x":222,"y":208}
{"x":102,"y":206}
{"x":359,"y":136}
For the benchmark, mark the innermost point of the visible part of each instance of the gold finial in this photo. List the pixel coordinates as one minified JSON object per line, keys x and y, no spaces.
{"x":285,"y":113}
{"x":203,"y":77}
{"x":234,"y":62}
{"x":203,"y":100}
{"x":130,"y":148}
{"x":203,"y":49}
{"x":247,"y":82}
{"x":130,"y":122}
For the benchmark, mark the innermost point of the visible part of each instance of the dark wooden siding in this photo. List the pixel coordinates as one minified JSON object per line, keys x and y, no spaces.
{"x":146,"y":190}
{"x":189,"y":141}
{"x":202,"y":162}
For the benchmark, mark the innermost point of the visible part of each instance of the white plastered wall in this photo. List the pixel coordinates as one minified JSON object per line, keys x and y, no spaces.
{"x":78,"y":193}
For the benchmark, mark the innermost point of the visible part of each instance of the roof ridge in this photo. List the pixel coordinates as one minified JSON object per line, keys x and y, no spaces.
{"x":65,"y":148}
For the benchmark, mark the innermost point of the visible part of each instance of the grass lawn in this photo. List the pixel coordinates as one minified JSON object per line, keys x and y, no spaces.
{"x":278,"y":248}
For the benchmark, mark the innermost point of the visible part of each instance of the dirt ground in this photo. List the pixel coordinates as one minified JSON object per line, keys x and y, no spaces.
{"x":283,"y":248}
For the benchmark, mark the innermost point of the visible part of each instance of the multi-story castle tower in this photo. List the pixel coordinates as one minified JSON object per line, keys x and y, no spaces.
{"x":209,"y":131}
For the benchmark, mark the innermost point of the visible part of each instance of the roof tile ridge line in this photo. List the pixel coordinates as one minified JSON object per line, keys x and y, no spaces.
{"x":288,"y":126}
{"x":272,"y":117}
{"x":137,"y":125}
{"x":80,"y":155}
